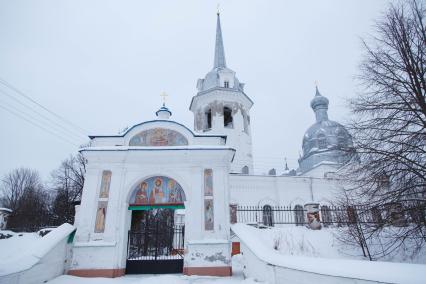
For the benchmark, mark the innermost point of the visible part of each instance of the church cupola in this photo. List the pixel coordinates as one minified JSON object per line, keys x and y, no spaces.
{"x":163,"y":113}
{"x":320,"y":106}
{"x":326,"y":142}
{"x":221,"y":107}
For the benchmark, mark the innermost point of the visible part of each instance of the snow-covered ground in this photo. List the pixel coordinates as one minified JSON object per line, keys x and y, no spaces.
{"x":301,"y":241}
{"x":19,"y":242}
{"x":152,"y":279}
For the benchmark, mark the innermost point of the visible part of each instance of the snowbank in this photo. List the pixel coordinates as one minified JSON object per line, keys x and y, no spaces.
{"x":43,"y":257}
{"x":384,"y":272}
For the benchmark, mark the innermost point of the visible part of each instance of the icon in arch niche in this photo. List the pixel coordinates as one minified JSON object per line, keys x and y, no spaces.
{"x":157,"y":190}
{"x":158,"y":137}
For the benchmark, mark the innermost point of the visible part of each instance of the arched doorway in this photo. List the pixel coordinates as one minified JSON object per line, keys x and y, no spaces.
{"x":155,"y":239}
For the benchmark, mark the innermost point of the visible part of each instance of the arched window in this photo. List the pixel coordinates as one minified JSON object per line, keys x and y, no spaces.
{"x":245,"y":170}
{"x":208,"y":119}
{"x":267,"y":216}
{"x":326,"y":216}
{"x":298,"y":215}
{"x":376,"y":215}
{"x":227,"y":117}
{"x":322,"y":141}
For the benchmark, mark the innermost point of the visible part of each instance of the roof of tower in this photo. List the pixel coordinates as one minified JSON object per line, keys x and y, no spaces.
{"x":220,"y":70}
{"x":219,"y":51}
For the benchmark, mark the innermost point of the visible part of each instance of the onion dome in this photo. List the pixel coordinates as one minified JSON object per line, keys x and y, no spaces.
{"x":326,"y":141}
{"x":163,"y":112}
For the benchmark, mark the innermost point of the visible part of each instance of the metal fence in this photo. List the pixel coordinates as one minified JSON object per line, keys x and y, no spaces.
{"x":394,"y":214}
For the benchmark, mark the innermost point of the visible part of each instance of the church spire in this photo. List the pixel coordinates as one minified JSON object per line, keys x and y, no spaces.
{"x":219,"y":52}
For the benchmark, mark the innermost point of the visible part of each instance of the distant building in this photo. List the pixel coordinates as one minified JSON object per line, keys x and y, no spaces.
{"x":4,"y":215}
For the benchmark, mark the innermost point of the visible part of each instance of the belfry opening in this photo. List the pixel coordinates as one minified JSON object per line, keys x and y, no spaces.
{"x":157,"y":232}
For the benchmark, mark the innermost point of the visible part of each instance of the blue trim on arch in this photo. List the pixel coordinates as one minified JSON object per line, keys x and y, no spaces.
{"x":153,"y":121}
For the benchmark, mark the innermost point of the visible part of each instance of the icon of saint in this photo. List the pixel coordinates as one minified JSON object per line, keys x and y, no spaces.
{"x":141,"y":194}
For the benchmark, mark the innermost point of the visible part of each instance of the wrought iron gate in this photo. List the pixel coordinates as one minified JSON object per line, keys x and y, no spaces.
{"x":156,"y":248}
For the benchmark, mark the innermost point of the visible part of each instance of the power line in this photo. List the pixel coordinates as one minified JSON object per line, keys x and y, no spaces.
{"x":10,"y":86}
{"x":54,"y":123}
{"x":39,"y":126}
{"x":40,"y":122}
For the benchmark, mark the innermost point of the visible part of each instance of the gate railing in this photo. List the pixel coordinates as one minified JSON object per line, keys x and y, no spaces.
{"x":156,"y":242}
{"x":390,"y":214}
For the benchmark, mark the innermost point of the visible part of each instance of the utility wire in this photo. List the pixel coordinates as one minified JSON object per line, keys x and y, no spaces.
{"x":40,"y":122}
{"x":10,"y":86}
{"x":54,"y":123}
{"x":39,"y":126}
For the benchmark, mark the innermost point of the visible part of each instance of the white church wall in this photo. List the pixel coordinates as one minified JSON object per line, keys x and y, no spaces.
{"x":280,"y":190}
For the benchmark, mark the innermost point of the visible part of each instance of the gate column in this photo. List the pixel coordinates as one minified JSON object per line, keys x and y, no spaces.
{"x":207,"y":236}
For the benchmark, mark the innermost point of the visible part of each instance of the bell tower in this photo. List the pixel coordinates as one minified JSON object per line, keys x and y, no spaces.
{"x":221,"y":107}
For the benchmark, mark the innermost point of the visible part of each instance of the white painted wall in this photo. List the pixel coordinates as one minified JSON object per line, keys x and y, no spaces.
{"x":281,"y":190}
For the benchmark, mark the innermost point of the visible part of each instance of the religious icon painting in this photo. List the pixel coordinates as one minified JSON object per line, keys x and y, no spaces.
{"x":208,"y":215}
{"x":158,"y":137}
{"x":100,"y":217}
{"x":208,"y":182}
{"x":105,"y":184}
{"x":157,"y":190}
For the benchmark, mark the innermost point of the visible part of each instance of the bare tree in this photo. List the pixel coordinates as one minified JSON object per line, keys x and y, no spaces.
{"x":389,"y":129}
{"x":68,"y":182}
{"x":23,"y":192}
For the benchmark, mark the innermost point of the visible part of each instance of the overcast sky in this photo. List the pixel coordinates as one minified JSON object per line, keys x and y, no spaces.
{"x":103,"y":64}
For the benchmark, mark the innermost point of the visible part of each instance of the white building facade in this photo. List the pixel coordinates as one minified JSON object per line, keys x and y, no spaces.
{"x":162,"y":165}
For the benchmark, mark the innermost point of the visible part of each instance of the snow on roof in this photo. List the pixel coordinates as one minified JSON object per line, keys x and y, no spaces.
{"x":384,"y":272}
{"x":5,"y":209}
{"x":26,"y":259}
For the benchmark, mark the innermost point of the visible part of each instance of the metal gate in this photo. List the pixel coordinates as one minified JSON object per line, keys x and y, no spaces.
{"x":155,"y":249}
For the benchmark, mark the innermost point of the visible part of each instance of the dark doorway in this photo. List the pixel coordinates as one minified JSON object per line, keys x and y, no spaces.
{"x":155,"y":243}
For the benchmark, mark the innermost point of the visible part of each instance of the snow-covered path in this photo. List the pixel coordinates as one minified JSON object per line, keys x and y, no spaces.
{"x":153,"y":279}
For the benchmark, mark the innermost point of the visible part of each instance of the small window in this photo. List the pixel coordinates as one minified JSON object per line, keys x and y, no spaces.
{"x":227,"y":117}
{"x":209,"y":119}
{"x":298,"y":215}
{"x":245,"y":170}
{"x":226,"y":84}
{"x":267,"y":216}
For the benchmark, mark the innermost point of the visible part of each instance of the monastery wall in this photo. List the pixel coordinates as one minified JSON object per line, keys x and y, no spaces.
{"x":258,"y":190}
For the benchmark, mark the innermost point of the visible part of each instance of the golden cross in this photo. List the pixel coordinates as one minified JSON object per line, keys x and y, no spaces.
{"x":217,"y":7}
{"x":164,"y":95}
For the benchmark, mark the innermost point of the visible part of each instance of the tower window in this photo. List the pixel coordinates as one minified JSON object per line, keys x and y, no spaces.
{"x":227,"y":117}
{"x":209,"y":119}
{"x":226,"y":84}
{"x":245,"y":170}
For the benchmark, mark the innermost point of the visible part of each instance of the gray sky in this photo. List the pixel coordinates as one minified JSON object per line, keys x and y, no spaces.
{"x":103,"y":64}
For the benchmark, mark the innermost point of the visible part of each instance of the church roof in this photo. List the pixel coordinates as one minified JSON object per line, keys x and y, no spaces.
{"x":325,"y":141}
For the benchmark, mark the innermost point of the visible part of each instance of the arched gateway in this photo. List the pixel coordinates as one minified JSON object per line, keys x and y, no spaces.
{"x":155,"y":239}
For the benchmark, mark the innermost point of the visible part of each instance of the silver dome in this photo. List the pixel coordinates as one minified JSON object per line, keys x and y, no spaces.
{"x":326,"y":141}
